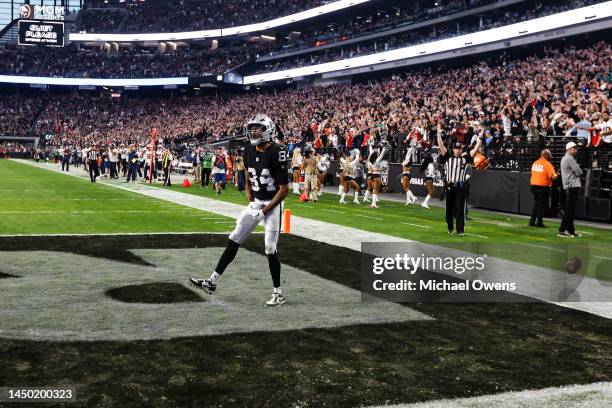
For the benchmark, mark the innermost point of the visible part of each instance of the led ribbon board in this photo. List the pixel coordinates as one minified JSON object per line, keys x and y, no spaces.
{"x":17,"y":79}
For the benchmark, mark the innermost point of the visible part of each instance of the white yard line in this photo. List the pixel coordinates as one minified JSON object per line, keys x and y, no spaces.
{"x":476,"y":235}
{"x":367,"y":216}
{"x":492,"y":222}
{"x":190,"y":210}
{"x":596,"y":395}
{"x":416,"y":225}
{"x":601,"y":257}
{"x":334,"y":211}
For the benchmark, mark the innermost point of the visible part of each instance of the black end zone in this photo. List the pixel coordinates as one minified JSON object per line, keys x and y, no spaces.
{"x":157,"y":292}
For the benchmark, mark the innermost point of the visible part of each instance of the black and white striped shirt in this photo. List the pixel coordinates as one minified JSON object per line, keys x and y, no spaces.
{"x":92,"y":155}
{"x":456,"y":168}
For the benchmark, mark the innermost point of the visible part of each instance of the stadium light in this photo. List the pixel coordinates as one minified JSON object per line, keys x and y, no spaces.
{"x":538,"y":25}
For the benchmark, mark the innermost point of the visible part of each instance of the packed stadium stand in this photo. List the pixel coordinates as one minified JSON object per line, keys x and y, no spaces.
{"x":186,"y":15}
{"x":524,"y":99}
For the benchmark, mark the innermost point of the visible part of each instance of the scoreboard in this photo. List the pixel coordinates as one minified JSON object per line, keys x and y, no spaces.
{"x":41,"y":32}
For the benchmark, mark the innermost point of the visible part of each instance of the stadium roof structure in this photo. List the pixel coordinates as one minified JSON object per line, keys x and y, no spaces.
{"x":221,"y":32}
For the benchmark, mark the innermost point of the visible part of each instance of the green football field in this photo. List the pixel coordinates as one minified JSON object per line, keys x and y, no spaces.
{"x":414,"y":222}
{"x":501,"y":235}
{"x":113,"y":316}
{"x":37,"y":201}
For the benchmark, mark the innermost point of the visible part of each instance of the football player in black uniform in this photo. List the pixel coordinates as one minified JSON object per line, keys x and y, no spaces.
{"x":266,"y":188}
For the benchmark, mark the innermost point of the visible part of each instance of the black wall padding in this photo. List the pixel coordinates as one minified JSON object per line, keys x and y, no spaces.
{"x":495,"y":190}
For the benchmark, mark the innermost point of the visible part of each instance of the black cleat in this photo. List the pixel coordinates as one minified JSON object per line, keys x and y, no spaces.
{"x":205,"y":284}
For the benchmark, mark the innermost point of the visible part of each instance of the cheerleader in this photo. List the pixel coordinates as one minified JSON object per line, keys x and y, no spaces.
{"x":375,"y":167}
{"x":342,"y":160}
{"x":322,"y":166}
{"x":350,"y":168}
{"x":369,"y":185}
{"x":410,"y":198}
{"x":296,"y":166}
{"x":429,"y":169}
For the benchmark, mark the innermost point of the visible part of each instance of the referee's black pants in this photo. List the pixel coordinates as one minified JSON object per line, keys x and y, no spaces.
{"x":455,"y":207}
{"x":167,"y":181}
{"x":540,"y":198}
{"x":571,"y":199}
{"x":93,"y":170}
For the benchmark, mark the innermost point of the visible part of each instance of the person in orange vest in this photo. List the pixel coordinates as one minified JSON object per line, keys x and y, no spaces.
{"x":542,"y":175}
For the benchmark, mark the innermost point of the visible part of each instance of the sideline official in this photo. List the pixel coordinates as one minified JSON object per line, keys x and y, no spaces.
{"x":542,"y":176}
{"x":456,"y":166}
{"x":570,"y":175}
{"x":92,"y":163}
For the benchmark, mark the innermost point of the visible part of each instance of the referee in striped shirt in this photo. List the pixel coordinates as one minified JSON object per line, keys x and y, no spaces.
{"x":92,"y":162}
{"x":456,"y":166}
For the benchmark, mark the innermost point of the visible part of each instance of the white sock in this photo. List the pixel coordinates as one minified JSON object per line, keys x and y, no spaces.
{"x":340,"y":189}
{"x":277,"y":290}
{"x":374,"y":198}
{"x":427,"y":199}
{"x":356,"y":196}
{"x":215,"y":278}
{"x":343,"y":194}
{"x":367,"y":194}
{"x":408,"y":196}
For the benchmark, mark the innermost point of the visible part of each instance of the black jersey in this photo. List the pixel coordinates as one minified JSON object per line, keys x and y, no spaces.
{"x":267,"y":170}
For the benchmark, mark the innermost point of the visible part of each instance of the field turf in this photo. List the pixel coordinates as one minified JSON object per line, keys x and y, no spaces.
{"x":36,"y":201}
{"x":463,"y":350}
{"x":413,"y":222}
{"x":468,"y":350}
{"x":501,"y":235}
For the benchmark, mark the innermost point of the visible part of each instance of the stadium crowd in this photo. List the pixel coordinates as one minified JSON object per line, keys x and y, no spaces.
{"x":14,"y":147}
{"x":81,"y":62}
{"x":448,"y":29}
{"x":191,"y":15}
{"x":393,"y":15}
{"x":562,"y":92}
{"x":199,"y":60}
{"x":17,"y":113}
{"x":100,"y":20}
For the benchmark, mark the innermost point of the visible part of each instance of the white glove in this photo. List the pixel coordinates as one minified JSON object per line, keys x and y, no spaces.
{"x":258,"y":215}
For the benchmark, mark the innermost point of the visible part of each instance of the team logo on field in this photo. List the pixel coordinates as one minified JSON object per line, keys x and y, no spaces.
{"x":48,"y":295}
